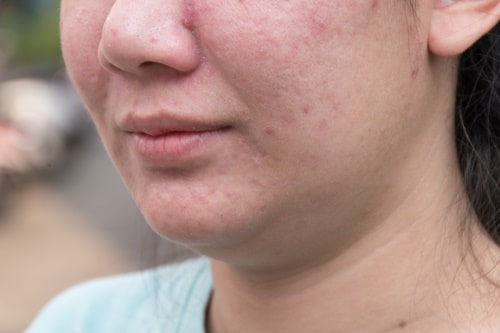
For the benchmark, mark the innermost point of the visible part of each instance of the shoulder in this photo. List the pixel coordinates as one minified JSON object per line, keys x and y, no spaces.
{"x":134,"y":302}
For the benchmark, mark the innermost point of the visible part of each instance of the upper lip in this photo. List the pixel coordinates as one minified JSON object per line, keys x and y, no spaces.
{"x":162,"y":123}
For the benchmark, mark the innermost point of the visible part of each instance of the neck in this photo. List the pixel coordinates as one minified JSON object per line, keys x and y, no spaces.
{"x":395,"y":286}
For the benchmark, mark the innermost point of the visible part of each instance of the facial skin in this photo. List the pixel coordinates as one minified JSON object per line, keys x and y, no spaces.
{"x":320,"y":101}
{"x":306,"y":145}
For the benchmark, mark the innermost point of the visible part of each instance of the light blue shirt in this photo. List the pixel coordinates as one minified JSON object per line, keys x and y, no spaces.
{"x":170,"y":299}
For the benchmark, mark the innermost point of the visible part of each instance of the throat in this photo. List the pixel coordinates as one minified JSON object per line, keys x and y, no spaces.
{"x":397,"y":288}
{"x":336,"y":303}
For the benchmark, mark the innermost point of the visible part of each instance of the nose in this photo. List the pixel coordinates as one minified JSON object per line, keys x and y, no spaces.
{"x":139,"y":37}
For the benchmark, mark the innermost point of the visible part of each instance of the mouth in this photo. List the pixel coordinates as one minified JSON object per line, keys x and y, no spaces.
{"x":174,"y":147}
{"x":164,"y":138}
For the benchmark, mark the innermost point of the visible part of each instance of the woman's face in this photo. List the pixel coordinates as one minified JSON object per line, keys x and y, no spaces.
{"x":234,"y":119}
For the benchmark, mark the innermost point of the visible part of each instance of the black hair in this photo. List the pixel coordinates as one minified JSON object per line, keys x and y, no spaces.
{"x":477,"y":127}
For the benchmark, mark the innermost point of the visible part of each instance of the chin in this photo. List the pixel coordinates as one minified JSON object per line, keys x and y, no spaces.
{"x":198,"y":220}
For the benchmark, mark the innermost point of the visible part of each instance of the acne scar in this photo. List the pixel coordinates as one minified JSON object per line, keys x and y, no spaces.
{"x":374,"y":4}
{"x":305,"y":110}
{"x":322,"y":125}
{"x":317,"y":20}
{"x":270,"y":131}
{"x":190,"y":15}
{"x":414,"y":72}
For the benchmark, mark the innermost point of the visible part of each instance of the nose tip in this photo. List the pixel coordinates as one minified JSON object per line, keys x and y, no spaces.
{"x":138,"y":43}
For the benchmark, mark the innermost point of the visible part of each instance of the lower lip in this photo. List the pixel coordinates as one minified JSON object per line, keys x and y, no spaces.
{"x":174,"y":146}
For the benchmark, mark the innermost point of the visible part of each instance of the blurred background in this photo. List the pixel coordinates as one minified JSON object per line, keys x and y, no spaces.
{"x":65,"y":215}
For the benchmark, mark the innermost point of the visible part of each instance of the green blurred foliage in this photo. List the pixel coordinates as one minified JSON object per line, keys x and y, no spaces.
{"x":30,"y":34}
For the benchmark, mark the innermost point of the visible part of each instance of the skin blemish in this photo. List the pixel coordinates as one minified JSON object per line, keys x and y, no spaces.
{"x":414,"y":72}
{"x":306,"y":110}
{"x":153,"y":40}
{"x":80,"y":18}
{"x":323,"y":125}
{"x":270,"y":131}
{"x":374,"y":4}
{"x":190,"y":15}
{"x":317,"y":21}
{"x":402,"y":324}
{"x":320,"y":23}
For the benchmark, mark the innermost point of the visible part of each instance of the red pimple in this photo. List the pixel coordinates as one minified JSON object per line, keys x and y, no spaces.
{"x":305,"y":110}
{"x":270,"y":131}
{"x":374,"y":4}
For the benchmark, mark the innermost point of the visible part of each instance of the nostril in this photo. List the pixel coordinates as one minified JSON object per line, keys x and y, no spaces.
{"x":147,"y":64}
{"x":149,"y":67}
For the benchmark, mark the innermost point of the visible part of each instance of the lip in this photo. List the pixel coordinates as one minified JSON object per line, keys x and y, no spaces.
{"x":165,"y":140}
{"x":173,"y":147}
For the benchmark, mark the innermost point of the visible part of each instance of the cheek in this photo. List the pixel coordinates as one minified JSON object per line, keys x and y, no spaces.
{"x":264,"y":46}
{"x":282,"y":58}
{"x":260,"y":35}
{"x":81,"y":26}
